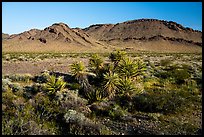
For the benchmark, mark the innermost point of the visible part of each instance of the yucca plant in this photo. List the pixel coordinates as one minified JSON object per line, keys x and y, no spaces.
{"x":129,"y":68}
{"x":141,"y":67}
{"x":111,"y":82}
{"x":54,"y":84}
{"x":115,"y":57}
{"x":126,"y":85}
{"x":95,"y":95}
{"x":96,"y":64}
{"x":78,"y":71}
{"x":108,"y":67}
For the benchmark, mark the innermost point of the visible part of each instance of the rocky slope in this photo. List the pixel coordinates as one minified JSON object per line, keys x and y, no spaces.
{"x":145,"y":30}
{"x":58,"y":32}
{"x":5,"y":36}
{"x":134,"y":35}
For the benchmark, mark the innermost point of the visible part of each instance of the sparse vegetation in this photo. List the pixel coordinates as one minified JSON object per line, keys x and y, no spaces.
{"x":109,"y":94}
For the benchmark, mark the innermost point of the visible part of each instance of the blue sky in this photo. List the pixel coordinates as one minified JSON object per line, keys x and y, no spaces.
{"x":22,"y":16}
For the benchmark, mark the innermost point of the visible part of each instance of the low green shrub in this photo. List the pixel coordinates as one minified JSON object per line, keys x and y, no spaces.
{"x":24,"y":121}
{"x":47,"y":108}
{"x":179,"y":74}
{"x":165,"y":62}
{"x":19,"y":77}
{"x":116,"y":112}
{"x":162,"y":101}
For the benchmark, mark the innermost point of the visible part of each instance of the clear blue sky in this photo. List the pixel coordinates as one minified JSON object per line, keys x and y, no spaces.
{"x":21,"y":16}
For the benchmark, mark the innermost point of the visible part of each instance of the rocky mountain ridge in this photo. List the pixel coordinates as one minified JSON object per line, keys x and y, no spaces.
{"x":141,"y":34}
{"x":143,"y":28}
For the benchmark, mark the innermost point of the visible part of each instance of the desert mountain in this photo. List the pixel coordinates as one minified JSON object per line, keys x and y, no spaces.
{"x":5,"y":36}
{"x":134,"y":35}
{"x":58,"y":32}
{"x":25,"y":35}
{"x":145,"y":30}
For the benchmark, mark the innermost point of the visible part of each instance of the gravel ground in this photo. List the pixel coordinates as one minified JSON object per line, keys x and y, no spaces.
{"x":134,"y":126}
{"x":36,"y":67}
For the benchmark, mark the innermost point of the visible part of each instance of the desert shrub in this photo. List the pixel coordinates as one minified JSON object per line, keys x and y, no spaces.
{"x":108,"y":108}
{"x":6,"y":57}
{"x":31,"y":90}
{"x":24,"y":121}
{"x":102,"y":108}
{"x":116,"y":112}
{"x":152,"y":83}
{"x":165,"y":101}
{"x":198,"y":79}
{"x":5,"y":84}
{"x":163,"y":74}
{"x":187,"y":68}
{"x":70,"y":99}
{"x":179,"y":74}
{"x":20,"y":77}
{"x":178,"y":127}
{"x":15,"y":87}
{"x":22,"y":58}
{"x":81,"y":125}
{"x":192,"y":87}
{"x":46,"y":108}
{"x":165,"y":62}
{"x":43,"y":78}
{"x":74,"y":116}
{"x":151,"y":64}
{"x":7,"y":99}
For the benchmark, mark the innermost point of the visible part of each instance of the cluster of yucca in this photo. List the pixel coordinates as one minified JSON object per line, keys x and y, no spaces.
{"x":117,"y":76}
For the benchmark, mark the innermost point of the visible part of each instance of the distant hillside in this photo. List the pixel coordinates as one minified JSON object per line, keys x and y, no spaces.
{"x":145,"y":30}
{"x":5,"y":36}
{"x":135,"y":35}
{"x":57,"y":32}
